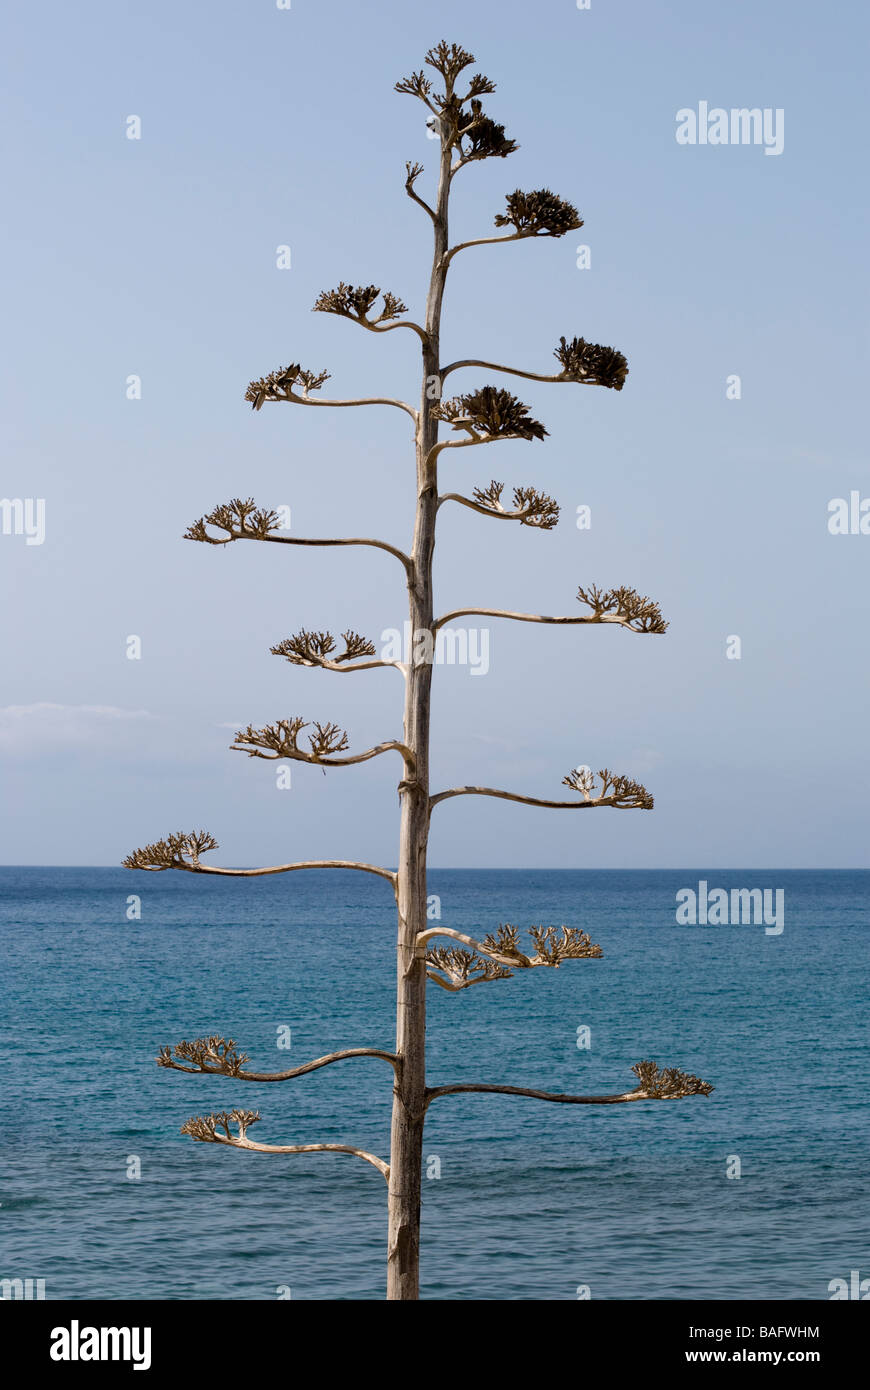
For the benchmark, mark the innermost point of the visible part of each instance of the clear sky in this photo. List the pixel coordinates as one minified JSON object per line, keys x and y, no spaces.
{"x":264,"y":127}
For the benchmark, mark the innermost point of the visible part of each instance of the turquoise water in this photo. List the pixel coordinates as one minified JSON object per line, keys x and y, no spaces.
{"x":533,"y":1200}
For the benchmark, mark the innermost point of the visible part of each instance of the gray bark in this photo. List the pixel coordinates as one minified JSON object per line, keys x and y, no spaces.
{"x":409,"y":1092}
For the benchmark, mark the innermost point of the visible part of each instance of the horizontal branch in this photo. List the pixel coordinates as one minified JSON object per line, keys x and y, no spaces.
{"x":530,"y":618}
{"x":498,"y":366}
{"x":434,"y":1092}
{"x":241,"y":520}
{"x":350,"y":540}
{"x":668,"y":1083}
{"x":273,"y":752}
{"x":512,"y":371}
{"x":290,"y":868}
{"x":382,"y":1167}
{"x":364,"y":400}
{"x":219,"y":1057}
{"x":355,"y":665}
{"x":215,"y":1129}
{"x":581,"y":362}
{"x":622,"y":607}
{"x":485,"y":241}
{"x":531,"y":800}
{"x":182,"y":850}
{"x":278,"y":386}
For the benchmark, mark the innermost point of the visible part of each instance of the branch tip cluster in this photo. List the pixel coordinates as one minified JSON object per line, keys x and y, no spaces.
{"x":499,"y":954}
{"x":667,"y":1083}
{"x":489,"y":413}
{"x":621,"y":792}
{"x":177,"y":851}
{"x":206,"y":1128}
{"x":591,"y":363}
{"x":279,"y":740}
{"x":530,"y":507}
{"x":306,"y":648}
{"x":240,"y":518}
{"x":461,"y":120}
{"x":278,"y":385}
{"x":539,"y":213}
{"x":635,"y":611}
{"x":355,"y":302}
{"x":212,"y":1054}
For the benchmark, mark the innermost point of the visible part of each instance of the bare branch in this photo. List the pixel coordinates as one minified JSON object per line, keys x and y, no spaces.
{"x":669,"y":1084}
{"x":413,"y":172}
{"x":215,"y":1129}
{"x":530,"y":508}
{"x":181,"y":851}
{"x":280,"y":740}
{"x":220,"y":1057}
{"x":278,"y":386}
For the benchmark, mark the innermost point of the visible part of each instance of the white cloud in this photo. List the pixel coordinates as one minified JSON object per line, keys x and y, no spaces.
{"x":46,"y":726}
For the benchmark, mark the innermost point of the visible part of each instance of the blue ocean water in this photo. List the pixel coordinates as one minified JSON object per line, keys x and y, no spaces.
{"x":533,"y":1200}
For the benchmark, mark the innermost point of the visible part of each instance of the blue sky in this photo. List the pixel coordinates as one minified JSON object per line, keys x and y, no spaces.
{"x":263,"y":127}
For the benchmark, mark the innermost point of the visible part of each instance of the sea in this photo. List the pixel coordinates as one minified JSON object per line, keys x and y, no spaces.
{"x":758,"y":1191}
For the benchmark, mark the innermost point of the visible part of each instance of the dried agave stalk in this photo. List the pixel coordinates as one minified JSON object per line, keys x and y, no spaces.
{"x":466,"y":134}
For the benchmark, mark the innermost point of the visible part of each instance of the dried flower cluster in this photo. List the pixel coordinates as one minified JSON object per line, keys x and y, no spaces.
{"x":482,"y":138}
{"x":212,"y":1054}
{"x":621,"y":792}
{"x":591,"y":363}
{"x":540,"y":213}
{"x":530,"y":507}
{"x":205,"y":1127}
{"x":355,"y":301}
{"x":499,"y":954}
{"x":669,"y":1083}
{"x":637,"y":611}
{"x":178,"y":851}
{"x":278,"y":385}
{"x":280,"y":740}
{"x":240,"y":518}
{"x":315,"y":648}
{"x":490,"y":413}
{"x":470,"y":132}
{"x":463,"y":968}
